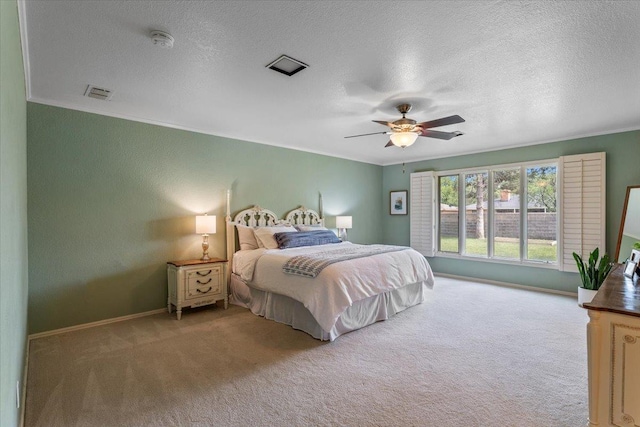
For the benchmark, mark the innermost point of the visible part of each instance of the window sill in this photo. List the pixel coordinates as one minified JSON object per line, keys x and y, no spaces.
{"x":547,"y":265}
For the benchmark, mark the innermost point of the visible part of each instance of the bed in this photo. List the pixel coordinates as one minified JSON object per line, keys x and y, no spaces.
{"x":323,"y":288}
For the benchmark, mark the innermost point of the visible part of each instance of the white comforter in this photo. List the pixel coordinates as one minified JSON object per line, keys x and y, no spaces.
{"x":339,"y":285}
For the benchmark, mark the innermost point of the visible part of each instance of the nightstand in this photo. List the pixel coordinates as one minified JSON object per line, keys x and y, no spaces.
{"x":195,"y":282}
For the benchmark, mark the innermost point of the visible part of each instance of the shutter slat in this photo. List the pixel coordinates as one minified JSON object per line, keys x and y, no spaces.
{"x":582,"y":206}
{"x":421,"y":213}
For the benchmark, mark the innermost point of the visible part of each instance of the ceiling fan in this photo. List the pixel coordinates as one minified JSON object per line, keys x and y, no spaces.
{"x":404,"y":132}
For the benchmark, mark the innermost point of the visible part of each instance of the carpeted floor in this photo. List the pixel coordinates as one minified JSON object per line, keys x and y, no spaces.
{"x":472,"y":355}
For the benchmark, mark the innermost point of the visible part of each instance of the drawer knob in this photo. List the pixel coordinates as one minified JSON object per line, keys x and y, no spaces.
{"x":203,"y":274}
{"x":204,"y":292}
{"x":204,"y":283}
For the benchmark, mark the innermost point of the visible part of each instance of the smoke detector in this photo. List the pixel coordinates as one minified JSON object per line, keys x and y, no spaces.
{"x":162,"y":39}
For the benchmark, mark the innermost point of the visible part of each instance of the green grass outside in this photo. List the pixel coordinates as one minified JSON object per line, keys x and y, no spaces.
{"x":502,"y":249}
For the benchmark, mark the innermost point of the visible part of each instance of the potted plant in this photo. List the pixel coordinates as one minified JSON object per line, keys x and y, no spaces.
{"x":591,"y":274}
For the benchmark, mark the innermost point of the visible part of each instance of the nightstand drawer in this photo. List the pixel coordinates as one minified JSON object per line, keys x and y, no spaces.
{"x":212,"y":288}
{"x":204,"y":276}
{"x":202,"y":292}
{"x":204,"y":282}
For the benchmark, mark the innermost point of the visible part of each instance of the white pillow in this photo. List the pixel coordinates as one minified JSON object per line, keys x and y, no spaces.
{"x":316,"y":227}
{"x":246,"y":237}
{"x":264,"y":235}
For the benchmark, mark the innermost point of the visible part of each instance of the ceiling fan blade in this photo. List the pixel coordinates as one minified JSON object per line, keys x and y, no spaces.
{"x":440,"y":135}
{"x":365,"y":134}
{"x":382,"y":122}
{"x":441,"y":122}
{"x":389,"y":144}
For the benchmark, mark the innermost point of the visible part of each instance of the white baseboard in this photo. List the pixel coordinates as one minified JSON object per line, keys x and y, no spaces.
{"x":507,"y":285}
{"x":93,"y":324}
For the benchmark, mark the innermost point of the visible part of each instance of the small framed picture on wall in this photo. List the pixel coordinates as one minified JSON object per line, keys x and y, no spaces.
{"x":398,"y":202}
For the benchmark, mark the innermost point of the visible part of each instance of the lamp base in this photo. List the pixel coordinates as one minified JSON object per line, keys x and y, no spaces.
{"x":205,"y":248}
{"x":343,"y":234}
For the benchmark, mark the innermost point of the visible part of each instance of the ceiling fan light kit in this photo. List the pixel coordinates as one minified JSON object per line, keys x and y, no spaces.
{"x":403,"y":139}
{"x":404,"y":132}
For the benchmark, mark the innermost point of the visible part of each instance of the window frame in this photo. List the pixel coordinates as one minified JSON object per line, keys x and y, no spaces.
{"x":523,"y":188}
{"x":438,"y":244}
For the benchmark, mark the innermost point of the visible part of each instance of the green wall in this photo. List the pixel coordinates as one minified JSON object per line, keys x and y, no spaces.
{"x":13,"y":214}
{"x":623,"y":152}
{"x":111,"y":201}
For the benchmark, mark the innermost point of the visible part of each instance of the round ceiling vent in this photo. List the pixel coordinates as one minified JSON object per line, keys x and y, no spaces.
{"x":162,"y":39}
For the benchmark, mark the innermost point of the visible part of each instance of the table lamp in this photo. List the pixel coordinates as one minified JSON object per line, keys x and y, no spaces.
{"x":342,"y":223}
{"x":205,"y":225}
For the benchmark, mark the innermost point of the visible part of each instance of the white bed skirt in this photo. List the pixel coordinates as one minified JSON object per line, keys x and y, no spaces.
{"x":286,"y":310}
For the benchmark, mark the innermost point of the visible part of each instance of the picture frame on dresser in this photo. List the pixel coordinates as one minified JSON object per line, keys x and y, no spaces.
{"x":632,"y":265}
{"x":398,"y":202}
{"x":630,"y":268}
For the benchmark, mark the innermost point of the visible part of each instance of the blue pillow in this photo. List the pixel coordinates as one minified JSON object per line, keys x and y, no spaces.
{"x":305,"y":238}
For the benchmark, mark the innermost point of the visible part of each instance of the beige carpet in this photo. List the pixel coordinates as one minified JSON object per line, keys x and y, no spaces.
{"x":472,"y":355}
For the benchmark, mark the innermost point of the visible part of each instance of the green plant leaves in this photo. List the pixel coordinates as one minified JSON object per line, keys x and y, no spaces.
{"x":593,"y":274}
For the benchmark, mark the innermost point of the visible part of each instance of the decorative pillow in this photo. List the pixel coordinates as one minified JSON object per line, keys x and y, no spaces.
{"x":315,"y":227}
{"x":264,"y":235}
{"x":305,"y":238}
{"x":247,"y":237}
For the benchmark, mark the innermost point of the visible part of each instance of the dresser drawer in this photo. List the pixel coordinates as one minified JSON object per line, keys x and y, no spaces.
{"x":204,"y":282}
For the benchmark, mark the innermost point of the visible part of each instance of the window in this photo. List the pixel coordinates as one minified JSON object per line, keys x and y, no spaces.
{"x":542,"y":221}
{"x":506,"y":213}
{"x":448,"y":236}
{"x":516,"y":223}
{"x":475,"y":218}
{"x":537,"y":213}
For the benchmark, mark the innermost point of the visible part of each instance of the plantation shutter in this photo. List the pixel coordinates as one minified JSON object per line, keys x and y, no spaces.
{"x":422,"y":213}
{"x":582,"y":195}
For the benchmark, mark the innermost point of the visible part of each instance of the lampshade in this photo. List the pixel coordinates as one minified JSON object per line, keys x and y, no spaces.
{"x":403,"y":139}
{"x":343,"y":222}
{"x":205,"y":224}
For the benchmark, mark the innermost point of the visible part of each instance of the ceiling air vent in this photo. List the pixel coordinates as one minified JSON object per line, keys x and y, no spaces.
{"x":98,"y":93}
{"x":287,"y":65}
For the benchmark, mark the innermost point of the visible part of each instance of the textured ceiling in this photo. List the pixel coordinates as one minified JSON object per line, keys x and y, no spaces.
{"x":520,"y":73}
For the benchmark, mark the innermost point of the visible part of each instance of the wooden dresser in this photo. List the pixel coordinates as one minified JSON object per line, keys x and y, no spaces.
{"x":613,"y":345}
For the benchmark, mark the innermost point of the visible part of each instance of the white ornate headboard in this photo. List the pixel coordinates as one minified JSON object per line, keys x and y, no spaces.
{"x":304,"y":216}
{"x":256,"y":217}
